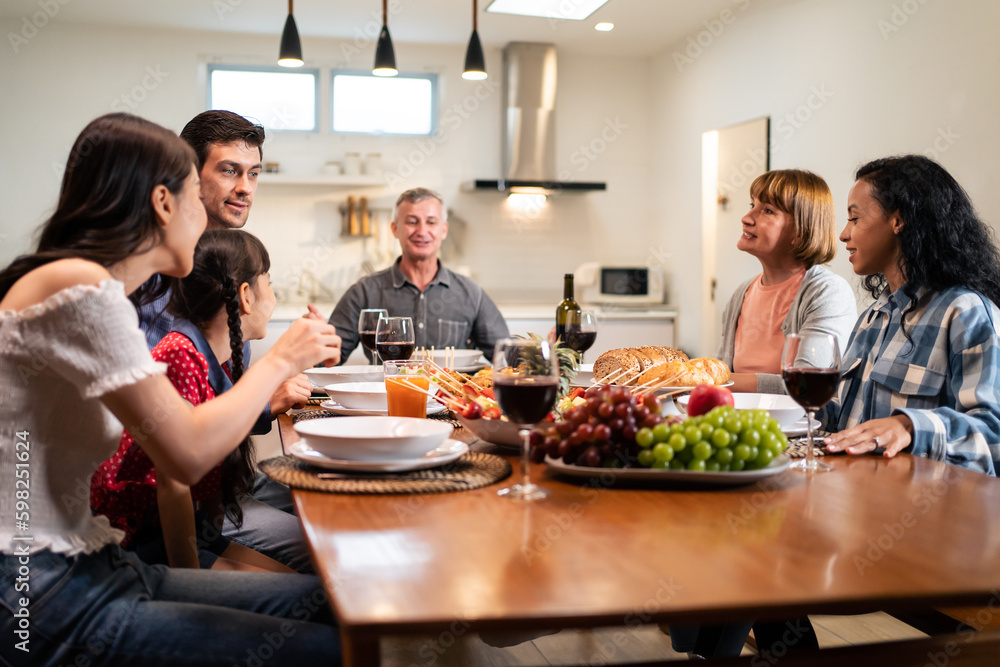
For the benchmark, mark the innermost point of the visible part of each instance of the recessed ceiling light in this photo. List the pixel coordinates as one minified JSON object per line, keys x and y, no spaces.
{"x":576,"y":10}
{"x":604,"y":26}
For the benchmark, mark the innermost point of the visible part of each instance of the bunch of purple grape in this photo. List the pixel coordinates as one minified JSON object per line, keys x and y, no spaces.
{"x":600,"y":432}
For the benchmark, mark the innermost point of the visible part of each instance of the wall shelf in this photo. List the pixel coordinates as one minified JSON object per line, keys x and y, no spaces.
{"x":323,"y":180}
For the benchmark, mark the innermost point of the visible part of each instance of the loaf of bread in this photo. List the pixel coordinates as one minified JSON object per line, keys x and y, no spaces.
{"x":662,"y":365}
{"x":624,"y":365}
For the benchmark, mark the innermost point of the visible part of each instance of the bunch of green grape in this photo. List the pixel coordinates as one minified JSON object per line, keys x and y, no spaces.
{"x":724,"y":439}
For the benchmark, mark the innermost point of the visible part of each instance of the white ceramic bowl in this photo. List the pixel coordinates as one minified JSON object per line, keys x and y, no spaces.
{"x":462,"y":358}
{"x":497,"y":431}
{"x":584,"y":376}
{"x":373,"y":438}
{"x":321,"y":377}
{"x":780,"y":406}
{"x":359,"y":395}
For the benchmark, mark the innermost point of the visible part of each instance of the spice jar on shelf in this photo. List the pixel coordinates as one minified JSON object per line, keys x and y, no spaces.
{"x":372,"y":164}
{"x":352,"y":164}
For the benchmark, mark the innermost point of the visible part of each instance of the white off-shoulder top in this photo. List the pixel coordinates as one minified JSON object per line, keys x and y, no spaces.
{"x":57,"y":359}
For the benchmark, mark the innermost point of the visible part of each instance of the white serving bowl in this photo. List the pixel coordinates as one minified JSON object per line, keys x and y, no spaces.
{"x":584,"y":376}
{"x":321,"y":377}
{"x":373,"y":438}
{"x":359,"y":395}
{"x":454,"y":358}
{"x":497,"y":431}
{"x":780,"y":406}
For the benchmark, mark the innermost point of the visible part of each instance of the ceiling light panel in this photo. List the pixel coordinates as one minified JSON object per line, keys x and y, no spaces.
{"x":575,"y":10}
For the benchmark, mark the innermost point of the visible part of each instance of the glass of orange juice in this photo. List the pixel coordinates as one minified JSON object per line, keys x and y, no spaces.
{"x":400,"y":379}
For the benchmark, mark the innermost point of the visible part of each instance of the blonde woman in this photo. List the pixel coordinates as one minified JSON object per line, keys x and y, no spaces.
{"x":791,"y":229}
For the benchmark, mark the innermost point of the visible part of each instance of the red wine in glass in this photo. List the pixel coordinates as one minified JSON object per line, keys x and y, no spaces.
{"x":368,"y":340}
{"x":811,"y":387}
{"x":526,"y":383}
{"x":578,"y":340}
{"x":395,"y":351}
{"x":810,"y":365}
{"x":526,"y":400}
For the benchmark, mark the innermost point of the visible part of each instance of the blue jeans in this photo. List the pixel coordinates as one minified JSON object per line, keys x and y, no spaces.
{"x":110,"y":608}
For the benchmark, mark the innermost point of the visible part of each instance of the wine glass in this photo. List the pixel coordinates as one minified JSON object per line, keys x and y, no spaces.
{"x":394,"y":339}
{"x":810,"y":367}
{"x":526,"y":382}
{"x":366,"y":328}
{"x":581,"y":331}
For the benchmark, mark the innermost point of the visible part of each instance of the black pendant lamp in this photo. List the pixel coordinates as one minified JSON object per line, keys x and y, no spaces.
{"x":290,"y":54}
{"x":385,"y":56}
{"x":475,"y":63}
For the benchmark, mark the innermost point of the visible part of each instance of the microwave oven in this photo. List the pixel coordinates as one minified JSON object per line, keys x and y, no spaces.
{"x":620,"y":285}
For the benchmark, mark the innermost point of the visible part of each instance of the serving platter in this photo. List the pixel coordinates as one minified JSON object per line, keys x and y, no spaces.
{"x":671,"y":477}
{"x":447,"y":452}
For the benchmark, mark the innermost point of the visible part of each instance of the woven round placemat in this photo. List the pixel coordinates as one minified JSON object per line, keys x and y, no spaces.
{"x":472,"y":471}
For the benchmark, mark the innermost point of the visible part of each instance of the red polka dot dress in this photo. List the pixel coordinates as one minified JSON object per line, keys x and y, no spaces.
{"x":124,"y":486}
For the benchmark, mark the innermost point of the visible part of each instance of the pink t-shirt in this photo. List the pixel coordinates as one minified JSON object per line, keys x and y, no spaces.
{"x":758,"y":332}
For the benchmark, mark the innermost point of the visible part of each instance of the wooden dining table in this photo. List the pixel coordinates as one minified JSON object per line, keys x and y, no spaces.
{"x":897,"y":534}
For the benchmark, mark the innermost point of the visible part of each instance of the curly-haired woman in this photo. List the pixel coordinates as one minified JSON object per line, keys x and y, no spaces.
{"x":921,"y":372}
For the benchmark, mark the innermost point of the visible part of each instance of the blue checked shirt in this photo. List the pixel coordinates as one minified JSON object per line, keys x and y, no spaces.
{"x":946,"y":378}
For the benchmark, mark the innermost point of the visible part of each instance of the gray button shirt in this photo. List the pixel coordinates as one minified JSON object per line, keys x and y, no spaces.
{"x":452,"y":311}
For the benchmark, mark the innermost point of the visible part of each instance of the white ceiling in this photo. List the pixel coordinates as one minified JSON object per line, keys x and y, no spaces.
{"x":642,"y":27}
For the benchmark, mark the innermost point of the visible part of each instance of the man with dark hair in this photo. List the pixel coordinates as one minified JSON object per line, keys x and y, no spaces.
{"x":229,"y":150}
{"x":448,"y":309}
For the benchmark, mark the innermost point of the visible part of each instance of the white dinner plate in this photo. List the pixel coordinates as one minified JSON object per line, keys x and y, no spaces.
{"x":799,"y":428}
{"x":670,"y":477}
{"x":478,"y":365}
{"x":447,"y":452}
{"x":433,"y":407}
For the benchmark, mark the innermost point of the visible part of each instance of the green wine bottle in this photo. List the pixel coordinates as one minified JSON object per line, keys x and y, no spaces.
{"x":568,"y":310}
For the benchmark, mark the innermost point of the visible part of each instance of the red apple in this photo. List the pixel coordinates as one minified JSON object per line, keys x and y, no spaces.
{"x":704,"y":397}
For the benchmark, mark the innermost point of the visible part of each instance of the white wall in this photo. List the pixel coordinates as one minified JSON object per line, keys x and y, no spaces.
{"x":928,"y":87}
{"x":68,"y":74}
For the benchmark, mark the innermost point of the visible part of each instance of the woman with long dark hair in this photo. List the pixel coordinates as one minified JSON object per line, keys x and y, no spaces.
{"x":921,"y":372}
{"x":74,"y":368}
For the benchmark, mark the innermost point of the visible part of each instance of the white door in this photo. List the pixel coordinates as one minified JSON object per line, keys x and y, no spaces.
{"x":740,"y":155}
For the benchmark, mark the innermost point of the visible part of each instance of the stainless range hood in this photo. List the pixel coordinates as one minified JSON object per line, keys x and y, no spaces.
{"x":529,"y":140}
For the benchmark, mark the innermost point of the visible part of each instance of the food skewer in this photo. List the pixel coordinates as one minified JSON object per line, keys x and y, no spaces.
{"x":443,"y":371}
{"x":653,"y":385}
{"x":466,"y":408}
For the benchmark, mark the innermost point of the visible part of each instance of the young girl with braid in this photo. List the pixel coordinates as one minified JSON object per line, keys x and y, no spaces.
{"x":225,"y":300}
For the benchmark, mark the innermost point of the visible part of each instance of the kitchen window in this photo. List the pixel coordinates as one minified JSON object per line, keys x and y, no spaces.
{"x":273,"y":96}
{"x":404,"y":104}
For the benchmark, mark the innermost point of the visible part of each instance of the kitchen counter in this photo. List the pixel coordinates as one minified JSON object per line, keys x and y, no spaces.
{"x":539,"y":311}
{"x":617,"y":326}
